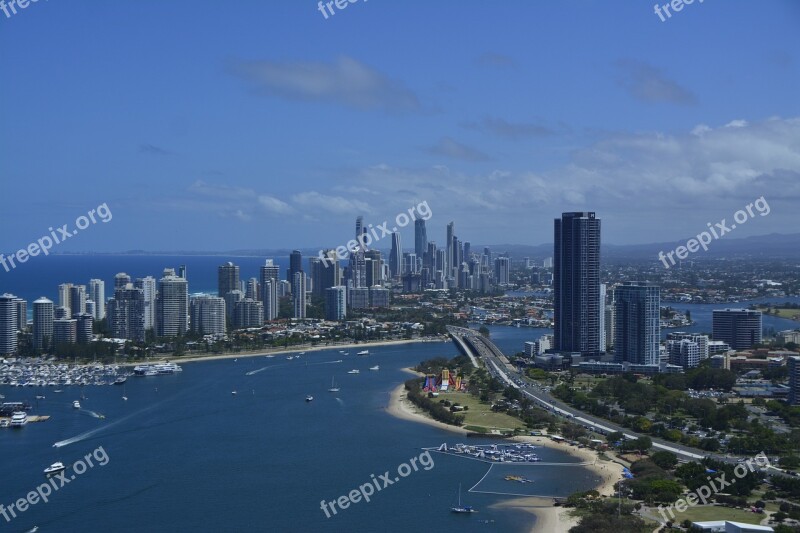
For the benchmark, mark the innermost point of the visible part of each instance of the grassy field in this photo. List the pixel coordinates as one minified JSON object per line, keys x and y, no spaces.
{"x":791,"y":314}
{"x":480,"y":414}
{"x":713,"y":512}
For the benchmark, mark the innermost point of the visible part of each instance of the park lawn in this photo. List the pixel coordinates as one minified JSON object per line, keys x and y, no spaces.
{"x":703,"y":513}
{"x":480,"y":414}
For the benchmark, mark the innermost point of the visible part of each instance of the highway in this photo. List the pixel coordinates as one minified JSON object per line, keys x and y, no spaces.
{"x":491,"y":354}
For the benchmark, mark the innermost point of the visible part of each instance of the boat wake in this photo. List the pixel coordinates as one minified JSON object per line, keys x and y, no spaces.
{"x":92,"y":413}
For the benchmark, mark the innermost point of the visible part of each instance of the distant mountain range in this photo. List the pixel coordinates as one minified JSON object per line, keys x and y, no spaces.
{"x":772,"y":246}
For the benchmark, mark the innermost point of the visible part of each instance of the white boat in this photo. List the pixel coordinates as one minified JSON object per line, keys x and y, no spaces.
{"x":76,"y":404}
{"x":363,"y":352}
{"x":301,"y":353}
{"x":19,"y":419}
{"x":462,"y":509}
{"x":376,"y":367}
{"x":309,"y":398}
{"x":354,"y":371}
{"x":4,"y":423}
{"x":333,"y":388}
{"x":55,"y":468}
{"x":289,"y":358}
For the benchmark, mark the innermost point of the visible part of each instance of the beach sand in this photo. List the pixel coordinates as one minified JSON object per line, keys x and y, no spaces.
{"x":548,"y":518}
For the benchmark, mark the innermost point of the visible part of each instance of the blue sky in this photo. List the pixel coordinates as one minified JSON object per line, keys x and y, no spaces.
{"x":250,"y":124}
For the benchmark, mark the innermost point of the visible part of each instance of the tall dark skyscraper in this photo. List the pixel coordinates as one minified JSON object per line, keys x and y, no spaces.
{"x":420,"y":237}
{"x":228,"y":279}
{"x":295,"y":265}
{"x":361,"y":231}
{"x":576,"y":283}
{"x":740,"y":328}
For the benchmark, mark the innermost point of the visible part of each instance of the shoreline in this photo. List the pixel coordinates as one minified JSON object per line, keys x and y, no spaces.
{"x":548,"y":518}
{"x":279,"y":351}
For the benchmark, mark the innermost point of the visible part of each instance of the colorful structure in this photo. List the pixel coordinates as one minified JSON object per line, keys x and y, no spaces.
{"x":443,"y":382}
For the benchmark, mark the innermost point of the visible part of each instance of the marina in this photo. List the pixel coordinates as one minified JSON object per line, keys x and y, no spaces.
{"x":51,"y":374}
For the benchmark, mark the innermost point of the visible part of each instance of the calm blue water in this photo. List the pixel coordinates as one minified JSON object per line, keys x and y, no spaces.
{"x":187,"y":455}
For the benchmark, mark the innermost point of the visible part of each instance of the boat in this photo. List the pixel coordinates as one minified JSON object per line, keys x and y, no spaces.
{"x":40,"y":397}
{"x":309,"y":398}
{"x":55,"y":468}
{"x":120,"y":380}
{"x":289,"y":358}
{"x":363,"y":352}
{"x":376,"y":367}
{"x":58,"y":390}
{"x":464,"y":509}
{"x":19,"y":419}
{"x":354,"y":371}
{"x":76,"y":404}
{"x":333,"y":388}
{"x":233,"y":393}
{"x":4,"y":423}
{"x":301,"y":353}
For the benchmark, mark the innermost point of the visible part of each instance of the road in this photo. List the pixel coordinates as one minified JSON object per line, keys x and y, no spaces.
{"x":483,"y":348}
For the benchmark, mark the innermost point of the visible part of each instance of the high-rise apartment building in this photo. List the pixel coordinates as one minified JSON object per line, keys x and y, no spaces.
{"x":336,"y":303}
{"x":148,"y":285}
{"x":207,"y":315}
{"x":396,"y":256}
{"x":8,"y":324}
{"x":97,"y":293}
{"x":740,"y":328}
{"x":299,"y":294}
{"x":172,"y":305}
{"x":43,"y":310}
{"x":420,"y":237}
{"x":126,"y":313}
{"x":576,"y":283}
{"x":227,"y":279}
{"x":638,"y":325}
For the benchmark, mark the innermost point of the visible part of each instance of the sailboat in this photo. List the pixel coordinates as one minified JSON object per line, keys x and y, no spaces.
{"x":333,"y":388}
{"x":460,"y":508}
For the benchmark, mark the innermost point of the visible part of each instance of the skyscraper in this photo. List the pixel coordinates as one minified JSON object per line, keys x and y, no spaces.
{"x":602,"y":328}
{"x":249,"y":313}
{"x":77,"y":300}
{"x":121,"y":280}
{"x":638,"y":326}
{"x":374,"y":268}
{"x":42,"y":323}
{"x":227,"y":279}
{"x":299,"y":294}
{"x":84,"y":325}
{"x":268,"y":279}
{"x":336,"y":303}
{"x":22,"y":314}
{"x":172,"y":305}
{"x":65,"y":331}
{"x":420,"y":237}
{"x":576,"y":283}
{"x":208,"y":315}
{"x":8,"y":324}
{"x":502,"y":270}
{"x":396,"y":256}
{"x":149,"y":291}
{"x":126,"y":313}
{"x":740,"y":328}
{"x":97,"y":293}
{"x":793,"y":364}
{"x":295,"y":265}
{"x":448,"y":266}
{"x":64,"y":295}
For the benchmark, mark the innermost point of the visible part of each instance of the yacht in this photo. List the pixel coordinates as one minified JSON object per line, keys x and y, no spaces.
{"x":354,"y":371}
{"x":363,"y":352}
{"x":120,"y":380}
{"x":19,"y":419}
{"x":333,"y":388}
{"x":376,"y":367}
{"x":309,"y":398}
{"x":55,"y":468}
{"x":76,"y":404}
{"x":462,"y":508}
{"x":4,"y":423}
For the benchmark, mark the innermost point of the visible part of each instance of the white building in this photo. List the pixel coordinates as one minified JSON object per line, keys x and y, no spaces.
{"x":148,"y":286}
{"x":42,"y":323}
{"x":8,"y":324}
{"x":172,"y":305}
{"x":97,"y":294}
{"x":208,"y":315}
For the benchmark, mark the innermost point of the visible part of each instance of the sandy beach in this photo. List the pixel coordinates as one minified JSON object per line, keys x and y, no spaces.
{"x":278,"y":351}
{"x":548,"y":518}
